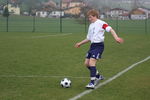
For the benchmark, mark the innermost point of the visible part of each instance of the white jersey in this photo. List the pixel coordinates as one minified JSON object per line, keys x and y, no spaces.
{"x":96,"y":31}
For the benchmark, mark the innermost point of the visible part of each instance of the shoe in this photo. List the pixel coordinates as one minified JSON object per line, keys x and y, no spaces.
{"x":90,"y":86}
{"x":97,"y":80}
{"x":101,"y":77}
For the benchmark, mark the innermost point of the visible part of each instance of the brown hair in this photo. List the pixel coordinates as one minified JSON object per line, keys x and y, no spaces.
{"x":93,"y":12}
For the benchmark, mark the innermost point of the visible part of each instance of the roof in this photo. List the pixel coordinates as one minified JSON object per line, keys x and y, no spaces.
{"x":67,"y":1}
{"x":118,"y":9}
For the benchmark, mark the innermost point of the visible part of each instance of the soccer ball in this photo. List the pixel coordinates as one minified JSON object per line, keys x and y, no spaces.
{"x":65,"y":83}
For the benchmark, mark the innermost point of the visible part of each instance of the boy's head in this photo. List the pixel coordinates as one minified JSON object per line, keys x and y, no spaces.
{"x":93,"y":15}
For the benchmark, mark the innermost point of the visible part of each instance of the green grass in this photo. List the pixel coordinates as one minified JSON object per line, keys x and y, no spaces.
{"x":69,"y":25}
{"x":133,"y":85}
{"x":22,"y":54}
{"x":26,"y":24}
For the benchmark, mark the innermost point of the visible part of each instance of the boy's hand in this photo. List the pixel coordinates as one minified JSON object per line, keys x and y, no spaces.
{"x":77,"y":45}
{"x":119,"y":40}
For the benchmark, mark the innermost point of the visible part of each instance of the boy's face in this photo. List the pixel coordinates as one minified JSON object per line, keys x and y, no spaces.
{"x":92,"y":19}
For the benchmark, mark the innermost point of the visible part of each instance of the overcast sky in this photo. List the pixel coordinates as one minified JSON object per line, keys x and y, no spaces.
{"x":126,"y":4}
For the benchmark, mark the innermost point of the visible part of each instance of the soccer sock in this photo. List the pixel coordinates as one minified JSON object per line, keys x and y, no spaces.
{"x":97,"y":74}
{"x":92,"y":73}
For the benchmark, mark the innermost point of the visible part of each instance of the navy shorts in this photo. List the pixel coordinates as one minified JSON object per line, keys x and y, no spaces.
{"x":95,"y":51}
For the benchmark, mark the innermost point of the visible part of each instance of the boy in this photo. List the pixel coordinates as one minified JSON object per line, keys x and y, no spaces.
{"x":96,"y":37}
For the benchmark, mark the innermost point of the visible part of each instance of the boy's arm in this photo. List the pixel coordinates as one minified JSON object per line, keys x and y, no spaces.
{"x":77,"y":45}
{"x":118,"y":39}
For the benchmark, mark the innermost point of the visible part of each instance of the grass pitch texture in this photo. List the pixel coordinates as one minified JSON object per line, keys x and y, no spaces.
{"x":31,"y":68}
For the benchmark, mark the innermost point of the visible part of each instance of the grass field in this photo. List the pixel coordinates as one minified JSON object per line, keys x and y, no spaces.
{"x":27,"y":24}
{"x":32,"y":65}
{"x":69,"y":25}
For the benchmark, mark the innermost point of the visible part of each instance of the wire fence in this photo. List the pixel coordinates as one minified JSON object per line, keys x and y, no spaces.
{"x":67,"y":25}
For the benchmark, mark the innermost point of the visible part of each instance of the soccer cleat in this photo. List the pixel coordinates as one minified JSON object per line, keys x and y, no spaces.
{"x":101,"y":77}
{"x":90,"y":86}
{"x":98,"y":79}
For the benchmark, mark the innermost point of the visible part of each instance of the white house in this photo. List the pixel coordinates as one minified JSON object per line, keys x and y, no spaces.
{"x":56,"y":14}
{"x":118,"y":12}
{"x":147,"y":12}
{"x":42,"y":13}
{"x":140,"y":13}
{"x":138,"y":17}
{"x":26,"y":13}
{"x":13,"y":9}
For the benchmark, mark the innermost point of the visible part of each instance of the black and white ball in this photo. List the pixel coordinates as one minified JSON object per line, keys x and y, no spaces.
{"x":65,"y":83}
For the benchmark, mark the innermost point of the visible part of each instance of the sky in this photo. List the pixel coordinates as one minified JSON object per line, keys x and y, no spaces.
{"x":126,"y":4}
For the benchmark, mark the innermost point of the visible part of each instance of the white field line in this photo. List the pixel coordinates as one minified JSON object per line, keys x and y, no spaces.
{"x":51,"y":35}
{"x":38,"y":76}
{"x":109,"y":80}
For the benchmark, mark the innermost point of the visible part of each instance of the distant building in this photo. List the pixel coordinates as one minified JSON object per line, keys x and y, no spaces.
{"x":13,"y":9}
{"x":118,"y":13}
{"x":140,"y":13}
{"x":72,"y":7}
{"x":124,"y":16}
{"x":56,"y":14}
{"x":26,"y":13}
{"x":73,"y":11}
{"x":42,"y":13}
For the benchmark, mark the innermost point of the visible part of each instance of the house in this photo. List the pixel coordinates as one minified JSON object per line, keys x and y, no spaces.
{"x":25,"y":13}
{"x":72,"y":7}
{"x":118,"y":13}
{"x":71,"y":3}
{"x":56,"y":14}
{"x":13,"y":9}
{"x":73,"y":11}
{"x":124,"y":16}
{"x":42,"y":13}
{"x":140,"y":13}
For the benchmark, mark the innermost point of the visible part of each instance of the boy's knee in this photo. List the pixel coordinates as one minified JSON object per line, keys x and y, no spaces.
{"x":92,"y":62}
{"x":86,"y":64}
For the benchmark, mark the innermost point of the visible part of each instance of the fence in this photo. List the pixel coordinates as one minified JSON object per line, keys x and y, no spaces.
{"x":67,"y":25}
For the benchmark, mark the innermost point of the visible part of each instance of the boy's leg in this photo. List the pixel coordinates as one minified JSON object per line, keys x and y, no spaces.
{"x":98,"y":78}
{"x":92,"y":68}
{"x":92,"y":65}
{"x":86,"y":62}
{"x":98,"y":75}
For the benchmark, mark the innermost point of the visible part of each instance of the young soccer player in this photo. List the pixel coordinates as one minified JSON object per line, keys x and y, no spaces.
{"x":96,"y":37}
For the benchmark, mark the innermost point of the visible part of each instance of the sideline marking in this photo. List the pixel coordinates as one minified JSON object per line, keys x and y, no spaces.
{"x":109,"y":80}
{"x":51,"y":35}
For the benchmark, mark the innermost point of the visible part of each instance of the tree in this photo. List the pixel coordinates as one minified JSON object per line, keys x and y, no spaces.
{"x":2,"y":2}
{"x":6,"y":12}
